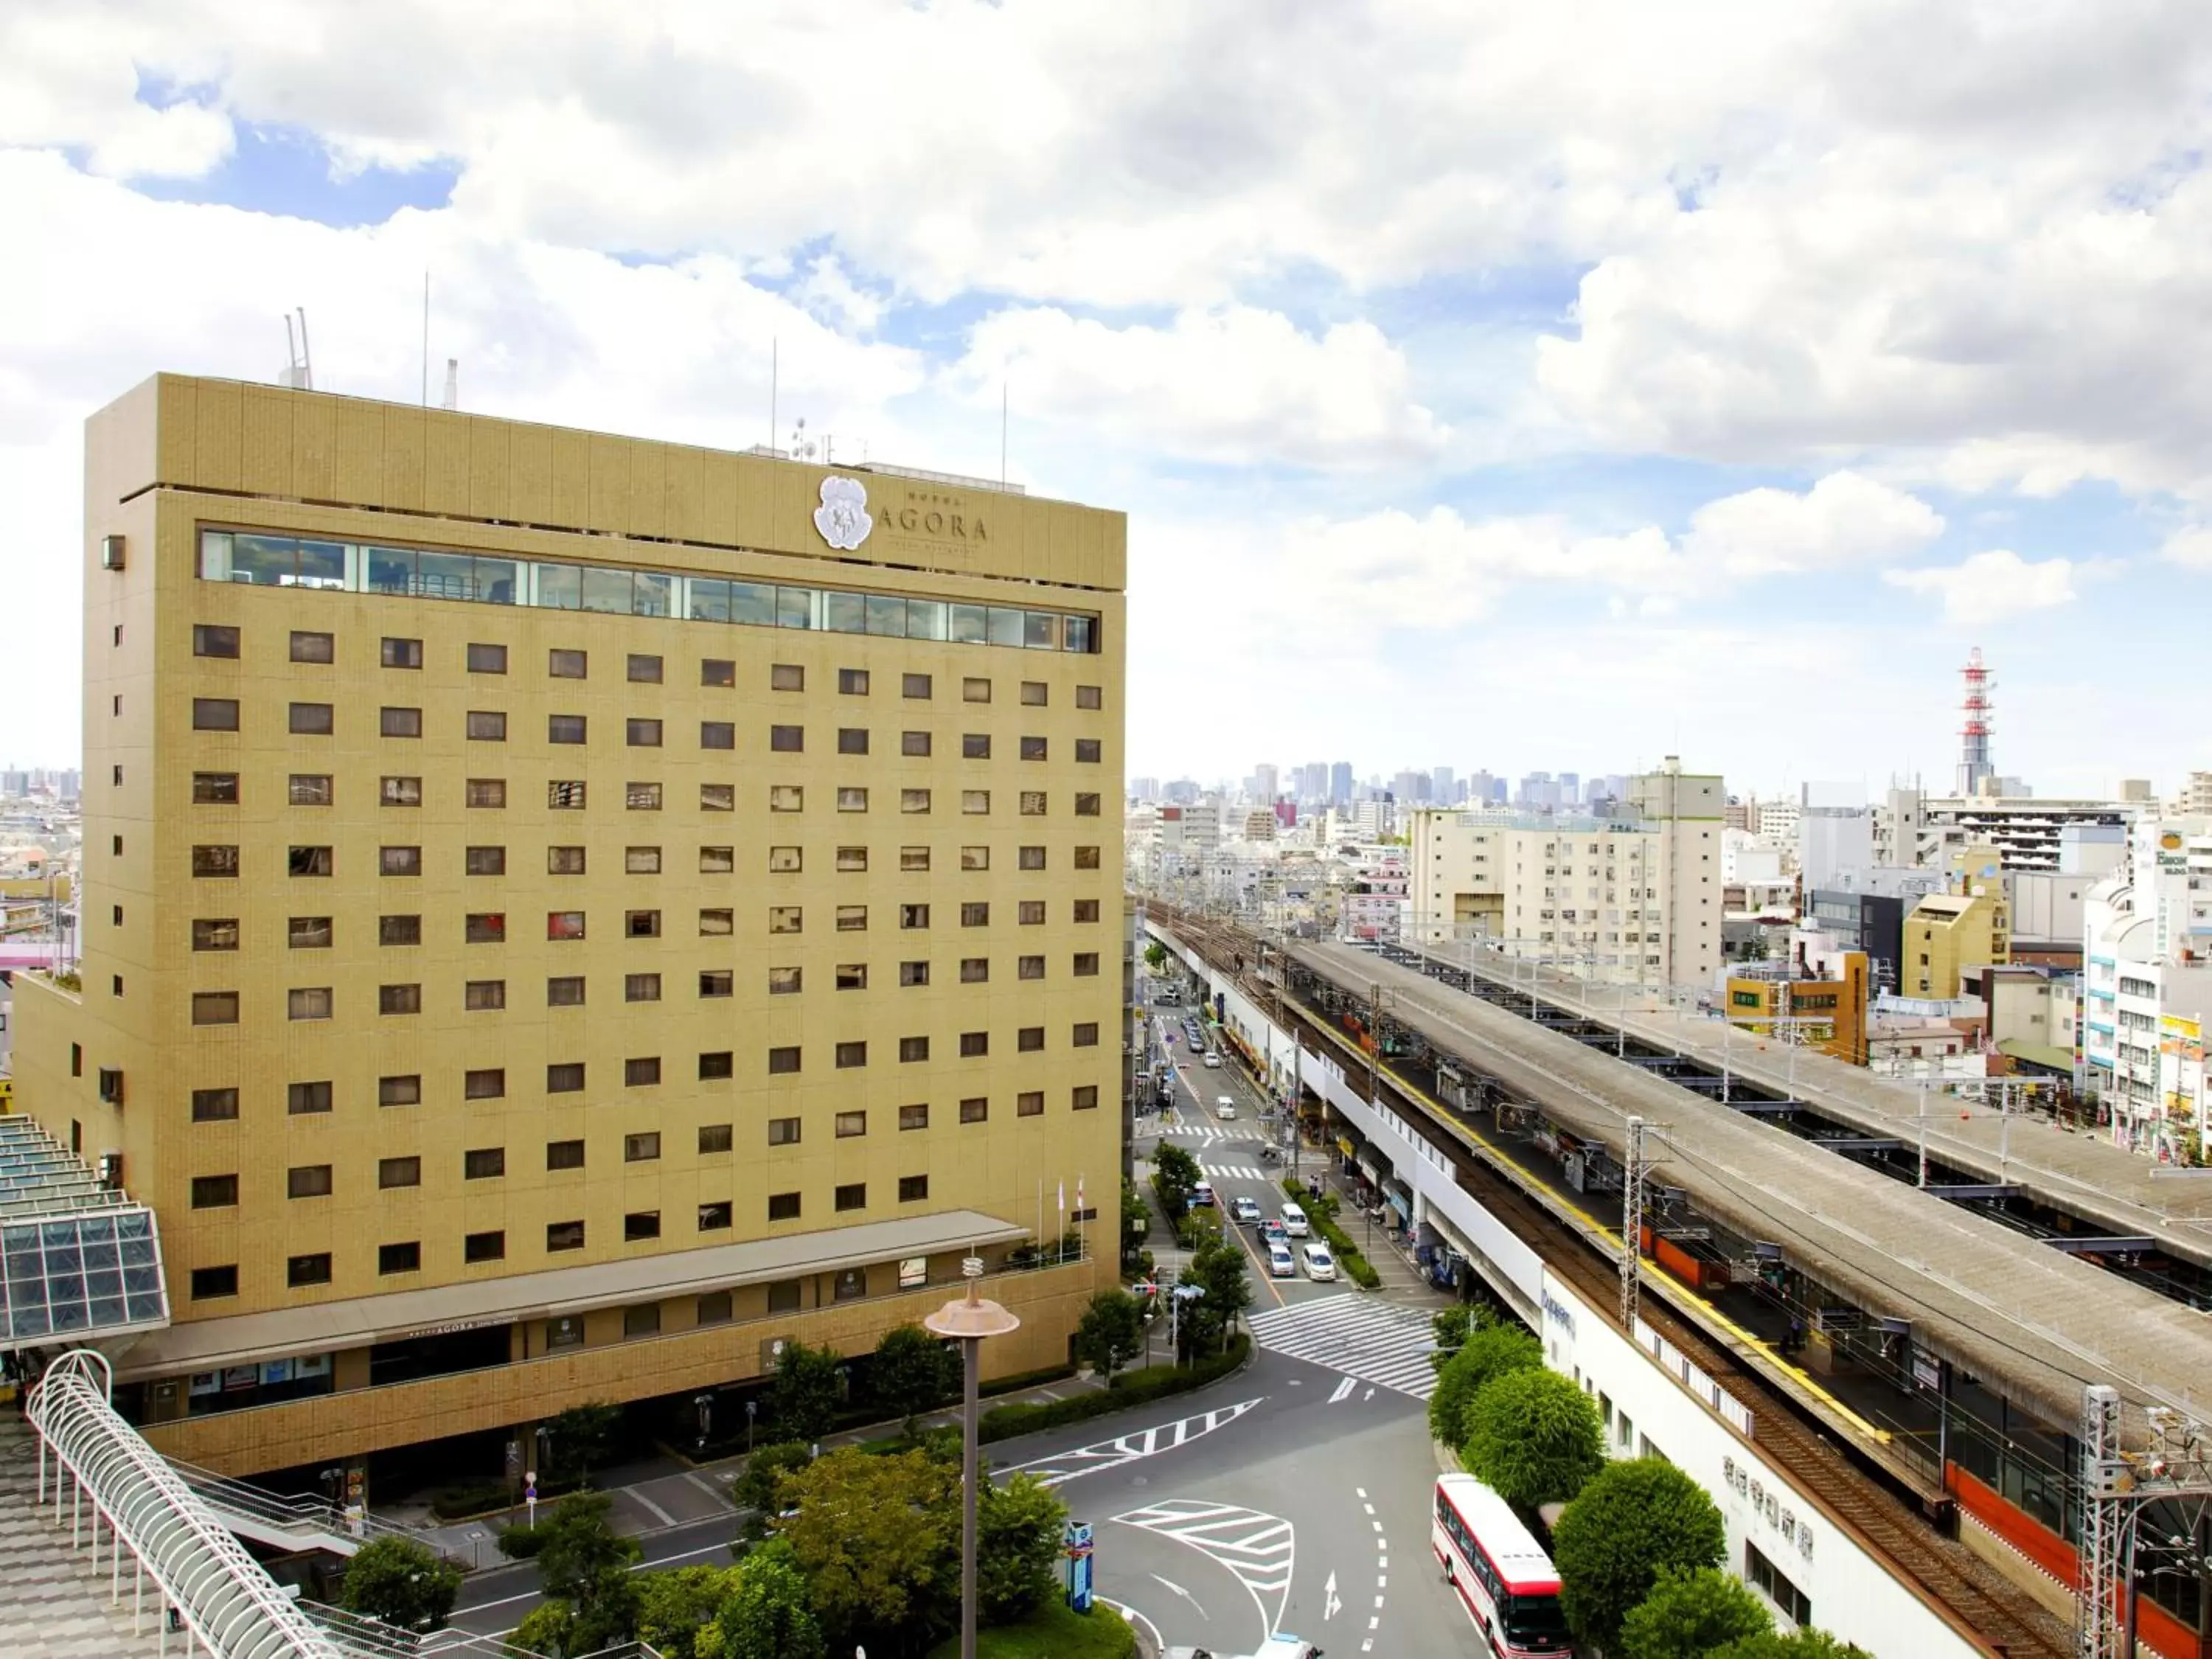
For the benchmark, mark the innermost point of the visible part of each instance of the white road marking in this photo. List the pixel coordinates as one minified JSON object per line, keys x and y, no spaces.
{"x":1343,"y":1390}
{"x":1183,"y":1593}
{"x":1377,"y":1342}
{"x":659,"y":1513}
{"x":1360,"y":1492}
{"x":1259,"y":1550}
{"x":1129,"y":1448}
{"x":1330,"y":1606}
{"x":1370,"y":1508}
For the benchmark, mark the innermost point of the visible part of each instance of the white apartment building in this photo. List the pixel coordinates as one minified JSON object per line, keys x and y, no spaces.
{"x":1777,"y":819}
{"x":1915,"y":829}
{"x":2147,"y":971}
{"x":1375,"y":897}
{"x":1629,"y":900}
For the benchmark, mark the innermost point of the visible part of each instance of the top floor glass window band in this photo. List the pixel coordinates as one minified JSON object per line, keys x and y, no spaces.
{"x":266,"y":560}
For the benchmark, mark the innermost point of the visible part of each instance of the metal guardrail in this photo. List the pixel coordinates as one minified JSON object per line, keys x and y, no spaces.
{"x":308,"y":1519}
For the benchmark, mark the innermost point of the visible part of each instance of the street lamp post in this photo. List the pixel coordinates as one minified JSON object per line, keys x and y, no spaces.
{"x":968,"y":1320}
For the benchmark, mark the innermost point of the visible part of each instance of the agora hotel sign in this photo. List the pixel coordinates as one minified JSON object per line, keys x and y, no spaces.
{"x":845,"y":519}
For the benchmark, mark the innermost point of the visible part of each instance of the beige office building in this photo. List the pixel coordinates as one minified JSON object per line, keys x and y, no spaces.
{"x":566,"y":912}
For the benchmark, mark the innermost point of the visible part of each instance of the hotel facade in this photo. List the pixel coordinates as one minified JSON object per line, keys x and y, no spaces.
{"x":565,"y":913}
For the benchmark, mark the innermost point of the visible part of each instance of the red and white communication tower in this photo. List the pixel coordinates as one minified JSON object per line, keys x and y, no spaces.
{"x":1974,"y":768}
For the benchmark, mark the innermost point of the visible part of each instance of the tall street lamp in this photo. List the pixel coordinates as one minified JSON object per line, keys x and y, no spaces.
{"x":968,"y":1321}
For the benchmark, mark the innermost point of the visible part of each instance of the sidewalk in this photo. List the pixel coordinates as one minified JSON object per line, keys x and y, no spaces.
{"x":654,"y":1493}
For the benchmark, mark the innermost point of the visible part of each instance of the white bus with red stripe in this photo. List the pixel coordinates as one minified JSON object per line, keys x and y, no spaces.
{"x":1507,"y":1584}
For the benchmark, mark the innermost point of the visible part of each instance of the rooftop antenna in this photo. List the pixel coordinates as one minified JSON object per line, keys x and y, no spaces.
{"x":1002,"y":433}
{"x":426,"y":339}
{"x":452,"y":399}
{"x":802,"y":447}
{"x":297,"y":373}
{"x":772,"y":346}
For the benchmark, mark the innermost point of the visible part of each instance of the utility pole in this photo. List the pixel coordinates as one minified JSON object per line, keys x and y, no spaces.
{"x":1631,"y":1226}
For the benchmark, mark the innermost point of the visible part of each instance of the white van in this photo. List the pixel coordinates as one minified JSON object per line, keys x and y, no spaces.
{"x":1319,"y":1263}
{"x":1294,"y":1221}
{"x":1224,"y":1108}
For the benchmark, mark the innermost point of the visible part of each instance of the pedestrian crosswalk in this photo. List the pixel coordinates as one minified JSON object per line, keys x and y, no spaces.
{"x":1236,"y":1171}
{"x":1376,"y":1341}
{"x":1207,"y":1134}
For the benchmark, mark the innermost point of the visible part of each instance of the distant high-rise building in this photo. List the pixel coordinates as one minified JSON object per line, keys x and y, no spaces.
{"x":1313,"y":782}
{"x":1181,"y":792}
{"x":1443,"y":786}
{"x":1264,"y":788}
{"x":1571,"y":788}
{"x":1339,"y":784}
{"x":1144,"y":789}
{"x":1409,"y":788}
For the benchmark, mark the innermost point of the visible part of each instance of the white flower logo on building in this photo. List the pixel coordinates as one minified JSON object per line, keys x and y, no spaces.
{"x":842,"y":518}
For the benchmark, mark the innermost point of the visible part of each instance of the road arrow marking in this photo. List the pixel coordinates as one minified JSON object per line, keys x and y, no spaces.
{"x":1183,"y":1593}
{"x":1343,"y":1391}
{"x":1330,"y":1606}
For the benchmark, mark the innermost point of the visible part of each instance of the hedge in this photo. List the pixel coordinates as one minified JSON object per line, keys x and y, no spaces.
{"x":1322,"y":1215}
{"x":1135,"y":1388}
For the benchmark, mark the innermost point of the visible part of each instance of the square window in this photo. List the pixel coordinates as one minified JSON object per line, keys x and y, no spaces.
{"x":564,"y":1155}
{"x":1030,"y":1104}
{"x":399,"y":930}
{"x":307,"y":1181}
{"x":215,"y":788}
{"x":782,"y":918}
{"x":852,"y":858}
{"x":851,"y":799}
{"x":1086,"y":963}
{"x":851,"y":918}
{"x":566,"y":1078}
{"x":784,"y":981}
{"x":486,"y":659}
{"x":309,"y":789}
{"x":787,"y":798}
{"x":314,"y":647}
{"x":642,"y":1148}
{"x":975,"y":858}
{"x":975,"y":745}
{"x":851,"y":976}
{"x":974,"y":690}
{"x":406,"y":1090}
{"x":567,"y":664}
{"x":718,"y":734}
{"x":214,"y":640}
{"x":913,"y":1189}
{"x":974,"y":1045}
{"x":314,"y":720}
{"x":913,"y":801}
{"x":718,"y":671}
{"x":852,"y":682}
{"x":484,"y":928}
{"x":913,"y":916}
{"x":484,"y":862}
{"x":786,"y":677}
{"x":1028,"y":858}
{"x":912,"y":859}
{"x":1086,"y":1098}
{"x":210,"y":1283}
{"x":853,"y":1196}
{"x":483,"y":995}
{"x":914,"y":1117}
{"x":974,"y":970}
{"x":914,"y":685}
{"x":975,"y":1111}
{"x":1086,"y":806}
{"x":1087,"y":751}
{"x":565,"y":728}
{"x":300,"y":1271}
{"x":1028,"y":912}
{"x":717,"y":860}
{"x":976,"y":914}
{"x":783,"y":1132}
{"x":563,"y":1235}
{"x":787,"y":740}
{"x":1033,"y":803}
{"x":398,"y":1172}
{"x":1089,"y":696}
{"x":564,"y":860}
{"x":715,"y":1137}
{"x":215,"y":1105}
{"x":642,"y":988}
{"x":641,"y":860}
{"x":783,"y":1061}
{"x":218,"y":1192}
{"x":565,"y":991}
{"x":399,"y":860}
{"x":1029,"y":1039}
{"x":310,"y":1002}
{"x":642,"y":1073}
{"x":850,"y":1054}
{"x":399,"y":722}
{"x":564,"y":924}
{"x":1033,"y":694}
{"x":783,"y":1207}
{"x":851,"y":1125}
{"x":641,"y":924}
{"x":721,"y":1063}
{"x":215,"y":714}
{"x":484,"y":1247}
{"x":484,"y":1162}
{"x":1086,"y":858}
{"x":485,"y":792}
{"x":715,"y":1217}
{"x":221,"y":861}
{"x":400,"y":653}
{"x":213,"y":934}
{"x":1033,"y":749}
{"x":914,"y":973}
{"x":974,"y":802}
{"x":912,"y":1048}
{"x":1086,"y":909}
{"x":642,"y":733}
{"x":1085,"y":1034}
{"x":644,"y":670}
{"x":718,"y":797}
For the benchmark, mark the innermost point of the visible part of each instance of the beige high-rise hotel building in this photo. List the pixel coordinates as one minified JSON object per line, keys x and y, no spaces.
{"x":564,"y":914}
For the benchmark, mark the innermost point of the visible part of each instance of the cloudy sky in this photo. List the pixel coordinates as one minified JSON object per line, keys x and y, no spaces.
{"x":1490,"y":386}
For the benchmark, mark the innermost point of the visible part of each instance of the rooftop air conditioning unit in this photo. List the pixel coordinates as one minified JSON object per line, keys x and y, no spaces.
{"x":110,"y":552}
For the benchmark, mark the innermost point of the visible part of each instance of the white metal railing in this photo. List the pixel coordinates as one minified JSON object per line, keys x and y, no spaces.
{"x":228,"y":1605}
{"x":314,"y":1523}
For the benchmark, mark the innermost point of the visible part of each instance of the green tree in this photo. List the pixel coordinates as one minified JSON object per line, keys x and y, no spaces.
{"x":1631,"y":1522}
{"x":756,"y":1488}
{"x":1018,"y":1527}
{"x":770,"y":1617}
{"x":1451,"y":1326}
{"x":582,"y":1435}
{"x":1688,"y":1614}
{"x":1488,"y":1351}
{"x":1174,"y":1173}
{"x":1111,"y":1333}
{"x":803,"y":1400}
{"x":1532,"y":1436}
{"x":1218,"y":1268}
{"x":402,"y":1582}
{"x":1798,"y":1645}
{"x":878,"y":1541}
{"x":912,"y":1371}
{"x":1156,"y":956}
{"x":545,"y":1629}
{"x":584,"y":1566}
{"x":675,"y":1606}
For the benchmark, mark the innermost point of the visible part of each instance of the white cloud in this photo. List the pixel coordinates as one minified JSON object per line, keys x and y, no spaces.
{"x":1233,"y":384}
{"x":1844,"y":520}
{"x":2189,"y":547}
{"x":1991,"y":585}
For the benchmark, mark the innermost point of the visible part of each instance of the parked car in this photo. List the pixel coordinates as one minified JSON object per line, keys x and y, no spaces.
{"x":1280,"y":1264}
{"x":1224,"y":1107}
{"x":1245,"y":1212}
{"x":1319,"y":1264}
{"x":1294,"y":1221}
{"x":1213,"y":1061}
